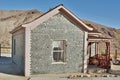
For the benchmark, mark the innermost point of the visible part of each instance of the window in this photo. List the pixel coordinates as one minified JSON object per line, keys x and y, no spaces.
{"x":14,"y":46}
{"x":59,"y":51}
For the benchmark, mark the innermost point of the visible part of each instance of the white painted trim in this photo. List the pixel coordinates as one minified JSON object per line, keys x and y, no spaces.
{"x":64,"y":50}
{"x":27,"y":51}
{"x":41,"y":19}
{"x":85,"y":52}
{"x":50,"y":14}
{"x":98,"y":40}
{"x":95,"y":33}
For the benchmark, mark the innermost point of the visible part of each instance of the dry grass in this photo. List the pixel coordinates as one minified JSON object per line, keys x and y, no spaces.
{"x":113,"y":56}
{"x":6,"y":50}
{"x":115,"y":69}
{"x":11,"y":19}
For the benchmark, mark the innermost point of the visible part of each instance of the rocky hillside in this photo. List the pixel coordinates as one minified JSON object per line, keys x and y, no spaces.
{"x":112,"y":32}
{"x":13,"y":18}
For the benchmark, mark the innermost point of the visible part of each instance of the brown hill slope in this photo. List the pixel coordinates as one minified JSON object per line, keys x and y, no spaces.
{"x":112,"y":32}
{"x":12,"y":18}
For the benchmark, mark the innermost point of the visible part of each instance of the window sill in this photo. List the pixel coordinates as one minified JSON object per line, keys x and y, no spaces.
{"x":58,"y":62}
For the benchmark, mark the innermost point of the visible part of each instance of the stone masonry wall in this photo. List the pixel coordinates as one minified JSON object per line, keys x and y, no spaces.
{"x":56,"y":28}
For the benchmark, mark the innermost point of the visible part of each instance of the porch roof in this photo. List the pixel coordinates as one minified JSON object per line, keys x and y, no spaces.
{"x":92,"y":38}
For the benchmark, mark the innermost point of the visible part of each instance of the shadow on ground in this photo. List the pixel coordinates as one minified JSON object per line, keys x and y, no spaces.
{"x":8,"y":67}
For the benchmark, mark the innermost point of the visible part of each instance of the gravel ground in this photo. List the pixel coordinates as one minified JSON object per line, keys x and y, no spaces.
{"x":6,"y":67}
{"x":4,"y":76}
{"x":75,"y":79}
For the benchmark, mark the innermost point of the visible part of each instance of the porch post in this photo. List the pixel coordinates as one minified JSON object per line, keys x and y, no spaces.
{"x":108,"y":50}
{"x":97,"y":48}
{"x":90,"y":50}
{"x":108,"y":54}
{"x":85,"y":52}
{"x":116,"y":54}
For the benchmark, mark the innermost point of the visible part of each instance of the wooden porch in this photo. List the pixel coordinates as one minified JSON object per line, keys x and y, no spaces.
{"x":101,"y":56}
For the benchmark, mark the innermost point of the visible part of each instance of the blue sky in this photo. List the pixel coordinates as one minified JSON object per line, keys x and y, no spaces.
{"x":106,"y":12}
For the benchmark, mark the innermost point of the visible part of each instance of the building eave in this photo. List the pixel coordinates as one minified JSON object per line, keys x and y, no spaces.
{"x":94,"y":34}
{"x":52,"y":12}
{"x":16,"y":29}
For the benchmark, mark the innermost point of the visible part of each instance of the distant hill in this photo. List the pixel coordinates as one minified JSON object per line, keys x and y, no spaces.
{"x":112,"y":32}
{"x":10,"y":19}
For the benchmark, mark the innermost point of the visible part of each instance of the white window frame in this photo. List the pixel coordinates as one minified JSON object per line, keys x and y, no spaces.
{"x":63,"y":51}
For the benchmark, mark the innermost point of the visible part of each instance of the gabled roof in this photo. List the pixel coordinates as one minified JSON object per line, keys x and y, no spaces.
{"x":52,"y":12}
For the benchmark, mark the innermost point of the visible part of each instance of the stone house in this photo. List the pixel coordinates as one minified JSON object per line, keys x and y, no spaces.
{"x":55,"y":42}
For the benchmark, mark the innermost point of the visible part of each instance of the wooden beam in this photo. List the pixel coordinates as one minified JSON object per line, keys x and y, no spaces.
{"x":90,"y":50}
{"x":116,"y":54}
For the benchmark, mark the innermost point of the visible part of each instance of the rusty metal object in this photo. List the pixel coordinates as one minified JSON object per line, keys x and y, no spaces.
{"x":101,"y":61}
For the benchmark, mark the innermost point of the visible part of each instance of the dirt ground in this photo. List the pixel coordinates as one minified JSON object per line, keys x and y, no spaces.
{"x":4,"y":75}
